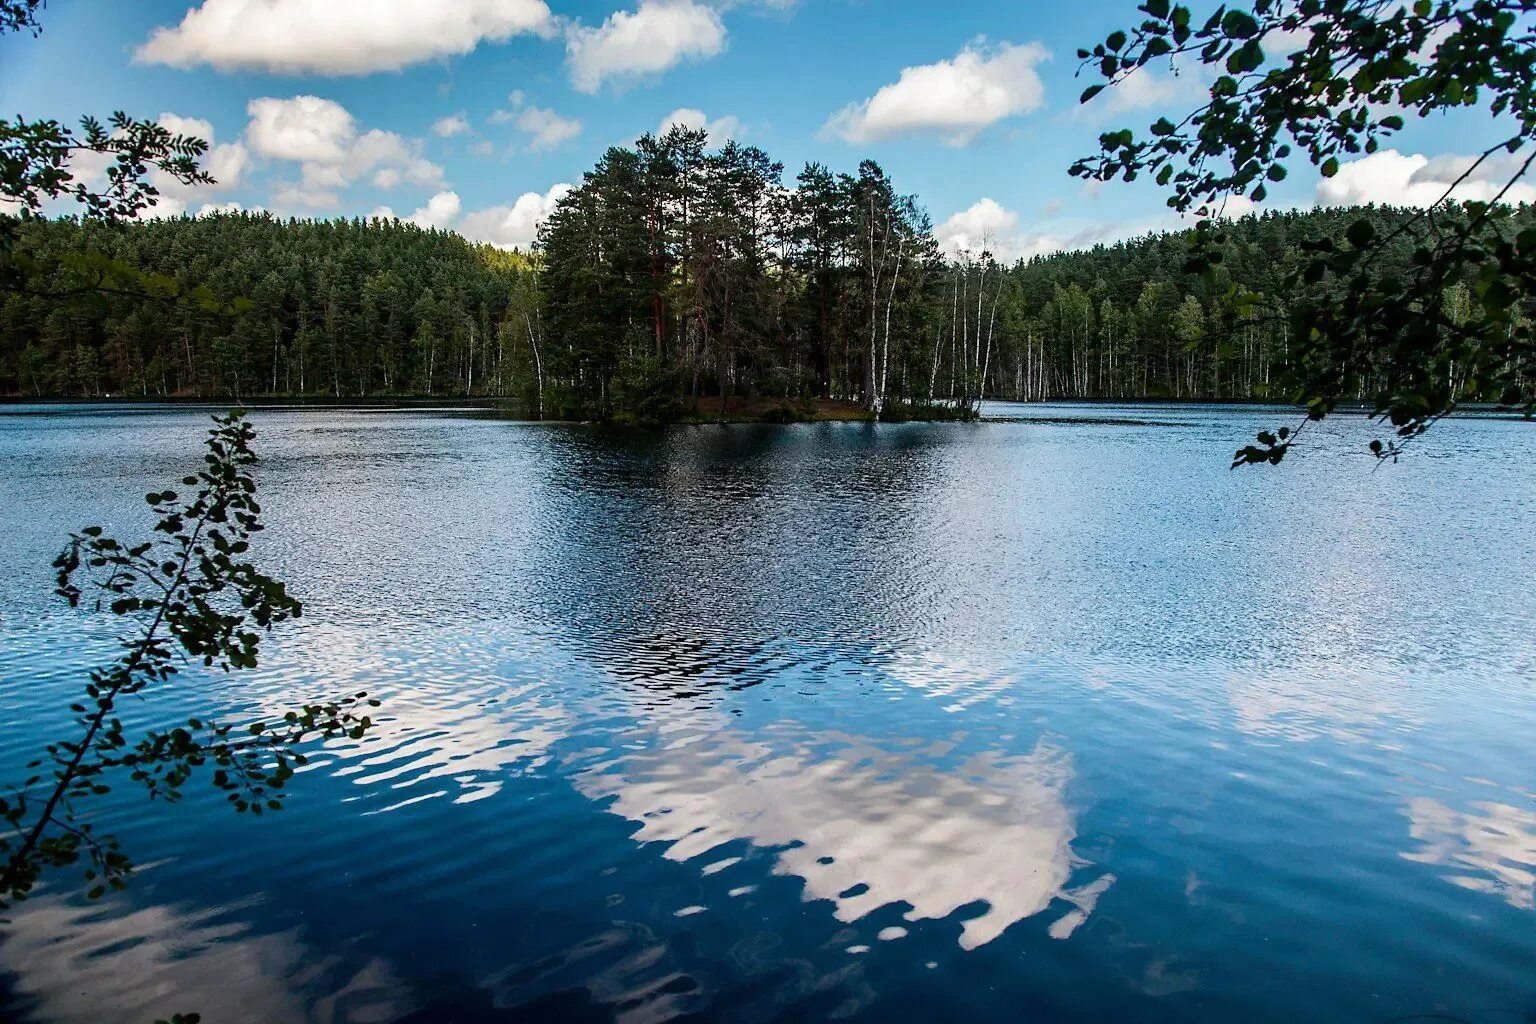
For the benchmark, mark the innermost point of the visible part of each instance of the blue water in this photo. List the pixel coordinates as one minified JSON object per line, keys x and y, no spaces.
{"x":1046,"y":719}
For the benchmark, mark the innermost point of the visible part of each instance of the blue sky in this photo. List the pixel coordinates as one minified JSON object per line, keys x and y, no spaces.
{"x":470,"y":114}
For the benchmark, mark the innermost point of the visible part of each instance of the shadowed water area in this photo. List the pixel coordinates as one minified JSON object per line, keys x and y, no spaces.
{"x":1050,"y":719}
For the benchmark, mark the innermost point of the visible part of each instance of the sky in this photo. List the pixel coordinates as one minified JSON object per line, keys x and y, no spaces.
{"x":477,"y":115}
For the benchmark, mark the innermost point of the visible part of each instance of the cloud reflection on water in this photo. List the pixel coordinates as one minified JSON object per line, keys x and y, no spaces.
{"x":104,"y":964}
{"x":864,"y":828}
{"x":1491,"y":848}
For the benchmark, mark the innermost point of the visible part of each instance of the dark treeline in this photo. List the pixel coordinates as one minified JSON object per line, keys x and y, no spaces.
{"x":1126,"y":321}
{"x":672,"y":275}
{"x":339,"y":308}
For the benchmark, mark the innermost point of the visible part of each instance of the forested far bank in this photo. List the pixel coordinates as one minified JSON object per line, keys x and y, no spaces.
{"x":671,"y":277}
{"x":345,"y":308}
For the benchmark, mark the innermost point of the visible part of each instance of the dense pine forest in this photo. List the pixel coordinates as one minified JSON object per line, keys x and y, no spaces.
{"x":672,"y":275}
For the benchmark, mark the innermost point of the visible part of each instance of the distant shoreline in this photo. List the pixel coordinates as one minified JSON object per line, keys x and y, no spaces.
{"x":708,"y":411}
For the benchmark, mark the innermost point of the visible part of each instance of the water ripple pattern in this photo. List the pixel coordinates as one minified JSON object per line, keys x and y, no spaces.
{"x":1050,"y":717}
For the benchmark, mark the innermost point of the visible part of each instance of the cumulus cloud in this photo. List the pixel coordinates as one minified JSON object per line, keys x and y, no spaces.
{"x":1146,"y":90}
{"x":337,"y":37}
{"x":721,"y":129}
{"x":192,"y":126}
{"x":89,"y":168}
{"x":953,"y":100}
{"x":546,"y":129}
{"x":514,"y":226}
{"x":1400,"y":179}
{"x":654,"y":37}
{"x":296,"y":197}
{"x":210,"y":209}
{"x":440,"y":212}
{"x":1234,"y":207}
{"x":301,"y":128}
{"x":323,"y":138}
{"x":227,"y":164}
{"x":986,"y":226}
{"x":448,"y":127}
{"x":1072,"y":239}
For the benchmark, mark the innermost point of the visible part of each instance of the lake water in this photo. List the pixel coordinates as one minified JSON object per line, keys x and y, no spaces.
{"x":1051,"y":719}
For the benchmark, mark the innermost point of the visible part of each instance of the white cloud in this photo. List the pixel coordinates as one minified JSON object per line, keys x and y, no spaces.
{"x":721,"y":129}
{"x":1398,"y":179}
{"x":209,"y":209}
{"x":985,"y":227}
{"x":165,"y":208}
{"x":440,"y":212}
{"x":1234,"y":207}
{"x":988,"y":226}
{"x":192,"y":126}
{"x":322,"y":137}
{"x":448,"y":127}
{"x":515,"y":226}
{"x":547,"y":129}
{"x":337,"y":37}
{"x":484,"y":147}
{"x":1491,"y":848}
{"x":301,"y":128}
{"x":227,"y":163}
{"x":1145,"y":90}
{"x":656,"y":36}
{"x":1281,"y":42}
{"x":952,"y":99}
{"x":295,"y":197}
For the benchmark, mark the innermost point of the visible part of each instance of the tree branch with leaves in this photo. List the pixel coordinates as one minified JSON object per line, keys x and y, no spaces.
{"x":1322,"y":81}
{"x":40,"y":160}
{"x":188,"y":593}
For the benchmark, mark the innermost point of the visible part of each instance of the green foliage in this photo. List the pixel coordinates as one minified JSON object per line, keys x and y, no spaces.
{"x":35,"y":157}
{"x":1365,"y":66}
{"x":186,"y":592}
{"x":647,"y":390}
{"x":704,"y":268}
{"x":340,"y":308}
{"x":19,"y":15}
{"x":37,"y":165}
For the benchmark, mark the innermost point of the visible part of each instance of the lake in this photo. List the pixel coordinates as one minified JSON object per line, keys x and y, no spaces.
{"x":1050,"y":718}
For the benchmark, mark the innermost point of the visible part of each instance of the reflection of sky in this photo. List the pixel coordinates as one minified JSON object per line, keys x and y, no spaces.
{"x":1490,"y":848}
{"x":76,"y":963}
{"x":1349,"y":707}
{"x":978,"y":673}
{"x":863,"y":827}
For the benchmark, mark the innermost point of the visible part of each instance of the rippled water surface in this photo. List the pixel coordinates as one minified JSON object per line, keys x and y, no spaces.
{"x":1046,"y":719}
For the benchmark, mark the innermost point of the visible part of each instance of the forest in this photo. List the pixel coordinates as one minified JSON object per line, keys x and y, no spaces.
{"x":671,"y":276}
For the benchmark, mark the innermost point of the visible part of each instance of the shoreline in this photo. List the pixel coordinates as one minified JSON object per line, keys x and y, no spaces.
{"x":708,"y":412}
